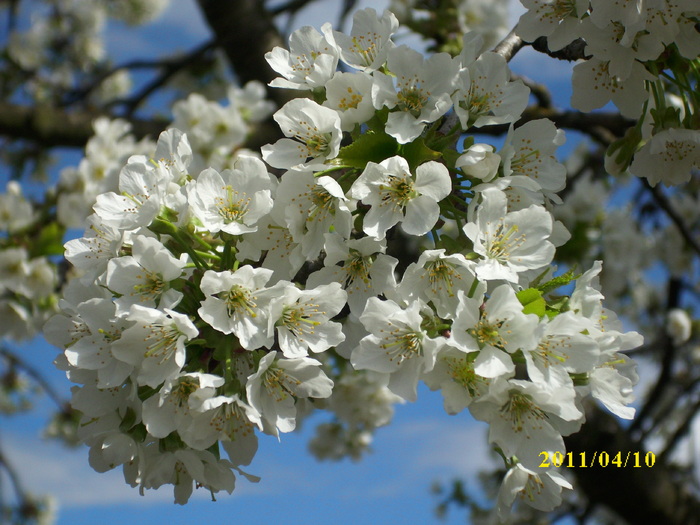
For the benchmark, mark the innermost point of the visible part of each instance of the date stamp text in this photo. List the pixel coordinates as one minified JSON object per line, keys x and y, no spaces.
{"x":601,"y":459}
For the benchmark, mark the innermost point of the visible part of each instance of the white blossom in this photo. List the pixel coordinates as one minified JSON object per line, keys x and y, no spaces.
{"x":308,"y":64}
{"x":155,"y":343}
{"x":235,"y":304}
{"x":144,"y":277}
{"x":397,"y":345}
{"x":418,"y":92}
{"x":278,"y":382}
{"x":366,"y":46}
{"x":438,"y":277}
{"x":315,"y":132}
{"x":538,"y":488}
{"x":594,"y":86}
{"x":558,"y":20}
{"x":302,"y":318}
{"x":395,"y":195}
{"x":678,"y":325}
{"x":527,"y":419}
{"x":485,"y":94}
{"x":509,"y":242}
{"x":669,"y":157}
{"x":495,"y":329}
{"x":234,"y":200}
{"x":364,"y":270}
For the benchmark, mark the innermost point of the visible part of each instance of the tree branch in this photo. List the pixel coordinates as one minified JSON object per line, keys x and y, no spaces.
{"x":509,"y":46}
{"x":645,"y":495}
{"x":604,"y":128}
{"x":663,"y":203}
{"x":681,"y":431}
{"x":245,"y":32}
{"x":169,"y":66}
{"x":576,"y":50}
{"x":51,"y":127}
{"x":12,"y":358}
{"x":668,"y":351}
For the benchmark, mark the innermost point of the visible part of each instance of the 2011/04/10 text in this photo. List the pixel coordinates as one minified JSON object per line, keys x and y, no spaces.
{"x":620,"y":459}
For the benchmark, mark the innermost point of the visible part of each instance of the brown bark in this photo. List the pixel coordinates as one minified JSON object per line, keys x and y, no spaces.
{"x":246,"y":32}
{"x":53,"y":127}
{"x":640,"y":495}
{"x":50,"y":127}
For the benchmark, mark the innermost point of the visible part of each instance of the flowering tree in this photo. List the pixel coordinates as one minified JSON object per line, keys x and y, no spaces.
{"x":352,"y":217}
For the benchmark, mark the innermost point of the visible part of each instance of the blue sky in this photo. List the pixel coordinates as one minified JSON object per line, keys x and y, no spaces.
{"x":391,"y":485}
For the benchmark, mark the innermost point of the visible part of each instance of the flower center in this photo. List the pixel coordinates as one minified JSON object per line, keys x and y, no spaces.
{"x":551,"y":351}
{"x":164,"y":343}
{"x":181,"y":393}
{"x":502,"y":242}
{"x":150,"y":285}
{"x":401,"y":343}
{"x":234,"y":206}
{"x":321,"y":204}
{"x":520,"y":408}
{"x":279,"y":384}
{"x":366,"y":47}
{"x":351,"y":101}
{"x":398,"y":192}
{"x":440,"y":276}
{"x":557,"y":10}
{"x":239,"y":301}
{"x":357,"y":267}
{"x":298,"y":318}
{"x":412,"y":100}
{"x":487,"y":333}
{"x":462,"y":372}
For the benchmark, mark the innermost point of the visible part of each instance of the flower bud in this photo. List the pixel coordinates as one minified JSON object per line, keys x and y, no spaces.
{"x":678,"y":326}
{"x":620,"y":153}
{"x":479,"y":161}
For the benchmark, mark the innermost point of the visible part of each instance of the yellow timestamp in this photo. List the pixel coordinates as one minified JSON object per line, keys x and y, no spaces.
{"x":602,"y":459}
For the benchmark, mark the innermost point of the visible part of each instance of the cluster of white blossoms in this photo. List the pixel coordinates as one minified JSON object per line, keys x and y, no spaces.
{"x":213,"y":304}
{"x":67,"y":36}
{"x":216,"y":134}
{"x":631,"y":46}
{"x":488,"y":18}
{"x":27,"y":278}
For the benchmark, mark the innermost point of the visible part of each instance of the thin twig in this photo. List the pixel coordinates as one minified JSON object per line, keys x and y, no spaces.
{"x":669,"y":353}
{"x":80,"y":93}
{"x":680,"y":432}
{"x":14,"y":478}
{"x":666,"y":205}
{"x":12,"y":358}
{"x":169,"y":70}
{"x":290,"y":7}
{"x":604,"y":128}
{"x":539,"y":91}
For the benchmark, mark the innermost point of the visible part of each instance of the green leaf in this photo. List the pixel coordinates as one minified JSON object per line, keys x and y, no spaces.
{"x":532,"y":301}
{"x":450,"y":244}
{"x":416,"y":153}
{"x":128,"y":421}
{"x":370,"y":147}
{"x":556,"y":282}
{"x":451,"y":156}
{"x":49,"y":241}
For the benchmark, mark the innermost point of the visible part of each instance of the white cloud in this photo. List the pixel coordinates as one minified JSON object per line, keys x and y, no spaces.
{"x":47,"y":467}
